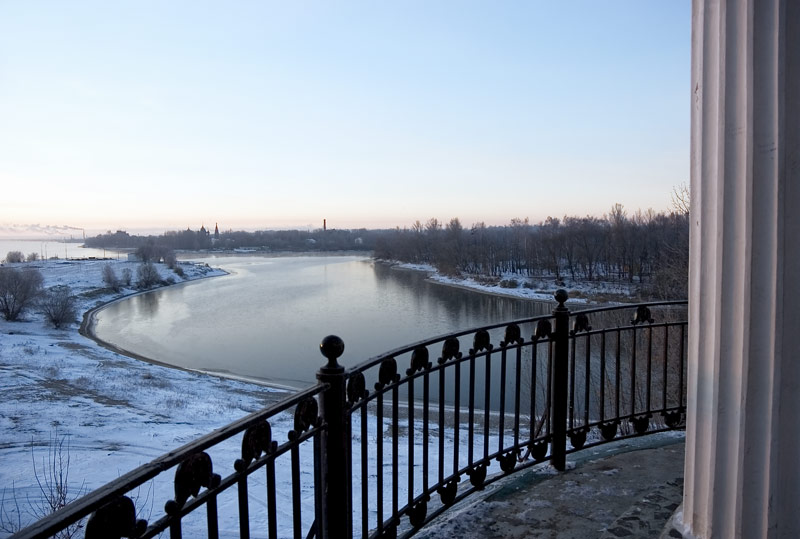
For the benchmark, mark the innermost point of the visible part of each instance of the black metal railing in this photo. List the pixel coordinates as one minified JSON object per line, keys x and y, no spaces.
{"x":379,"y":450}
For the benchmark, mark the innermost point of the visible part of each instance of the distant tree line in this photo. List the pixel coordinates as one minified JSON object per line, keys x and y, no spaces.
{"x":262,"y":240}
{"x":647,"y":248}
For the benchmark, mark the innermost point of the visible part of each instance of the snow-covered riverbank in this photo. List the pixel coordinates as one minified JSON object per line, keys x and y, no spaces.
{"x":113,"y":412}
{"x":532,"y":288}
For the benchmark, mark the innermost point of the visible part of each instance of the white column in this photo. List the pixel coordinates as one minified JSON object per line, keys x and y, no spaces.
{"x":743,"y":418}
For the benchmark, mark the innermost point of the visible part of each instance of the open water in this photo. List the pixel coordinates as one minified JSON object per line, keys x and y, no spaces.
{"x":266,"y":319}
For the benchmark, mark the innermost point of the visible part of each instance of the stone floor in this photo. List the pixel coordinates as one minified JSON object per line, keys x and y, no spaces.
{"x":627,"y":489}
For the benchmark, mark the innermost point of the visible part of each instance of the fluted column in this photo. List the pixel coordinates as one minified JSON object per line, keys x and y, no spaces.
{"x":743,"y":417}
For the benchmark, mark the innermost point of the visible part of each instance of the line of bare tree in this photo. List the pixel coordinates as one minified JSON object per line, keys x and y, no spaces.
{"x":646,"y":248}
{"x":261,"y":240}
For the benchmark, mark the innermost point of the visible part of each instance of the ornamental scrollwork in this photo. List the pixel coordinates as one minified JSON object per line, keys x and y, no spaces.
{"x":192,"y":474}
{"x":387,"y":374}
{"x":356,"y":388}
{"x":115,"y":520}
{"x":257,"y":439}
{"x":544,"y":329}
{"x":477,"y":476}
{"x":450,"y":350}
{"x":481,"y":341}
{"x":419,"y":360}
{"x":581,"y":324}
{"x":642,"y":316}
{"x":513,"y":335}
{"x":306,"y":415}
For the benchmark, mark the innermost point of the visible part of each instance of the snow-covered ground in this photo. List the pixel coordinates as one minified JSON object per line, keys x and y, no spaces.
{"x":533,"y":288}
{"x":112,"y":412}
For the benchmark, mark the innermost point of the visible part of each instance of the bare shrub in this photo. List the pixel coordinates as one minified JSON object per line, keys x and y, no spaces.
{"x":147,"y":275}
{"x":110,"y":278}
{"x":52,"y":477}
{"x":15,"y":257}
{"x":127,"y":276}
{"x":10,"y":517}
{"x":55,"y":491}
{"x":170,"y":259}
{"x":32,"y":257}
{"x":19,"y":288}
{"x":58,"y":306}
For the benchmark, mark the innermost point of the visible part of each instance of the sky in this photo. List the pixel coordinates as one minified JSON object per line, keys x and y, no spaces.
{"x":172,"y":114}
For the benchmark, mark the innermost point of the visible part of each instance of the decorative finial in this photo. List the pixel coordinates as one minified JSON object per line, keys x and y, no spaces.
{"x":332,"y":347}
{"x":561,"y":296}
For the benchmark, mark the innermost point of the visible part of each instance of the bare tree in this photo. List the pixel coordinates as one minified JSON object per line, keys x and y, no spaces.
{"x":18,"y":289}
{"x":32,"y":257}
{"x":147,"y":275}
{"x":110,"y":278}
{"x":15,"y":257}
{"x":58,"y":306}
{"x":681,"y":199}
{"x":127,"y":276}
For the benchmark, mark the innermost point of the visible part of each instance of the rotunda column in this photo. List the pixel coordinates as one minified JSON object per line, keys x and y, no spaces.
{"x":743,"y":412}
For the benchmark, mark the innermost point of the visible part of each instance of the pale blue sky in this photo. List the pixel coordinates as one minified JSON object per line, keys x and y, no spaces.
{"x":167,"y":114}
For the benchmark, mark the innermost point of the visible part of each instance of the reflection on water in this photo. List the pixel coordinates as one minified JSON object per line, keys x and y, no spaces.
{"x":265,"y":320}
{"x":145,"y":305}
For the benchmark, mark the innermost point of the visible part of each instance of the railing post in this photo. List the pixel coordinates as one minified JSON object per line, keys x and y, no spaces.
{"x":560,"y":381}
{"x":334,"y":487}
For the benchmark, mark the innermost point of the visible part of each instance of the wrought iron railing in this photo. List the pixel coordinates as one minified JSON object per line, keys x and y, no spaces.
{"x":379,"y":450}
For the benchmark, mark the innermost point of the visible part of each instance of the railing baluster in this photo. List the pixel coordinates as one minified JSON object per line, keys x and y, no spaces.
{"x":633,"y":373}
{"x":665,"y":374}
{"x":425,"y":429}
{"x":683,"y":366}
{"x":571,"y":359}
{"x":272,"y":513}
{"x":441,"y":424}
{"x":533,"y":394}
{"x":549,"y":404}
{"x":602,"y":376}
{"x":175,"y":528}
{"x":296,"y":508}
{"x":244,"y":513}
{"x":335,"y":486}
{"x":471,"y":410}
{"x":410,"y":384}
{"x":501,"y":419}
{"x":456,"y":416}
{"x":588,"y":382}
{"x":379,"y":463}
{"x":211,"y":518}
{"x":649,"y":369}
{"x":487,"y":404}
{"x":617,"y":381}
{"x":365,"y":472}
{"x":558,"y":444}
{"x":517,"y":386}
{"x":395,"y":450}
